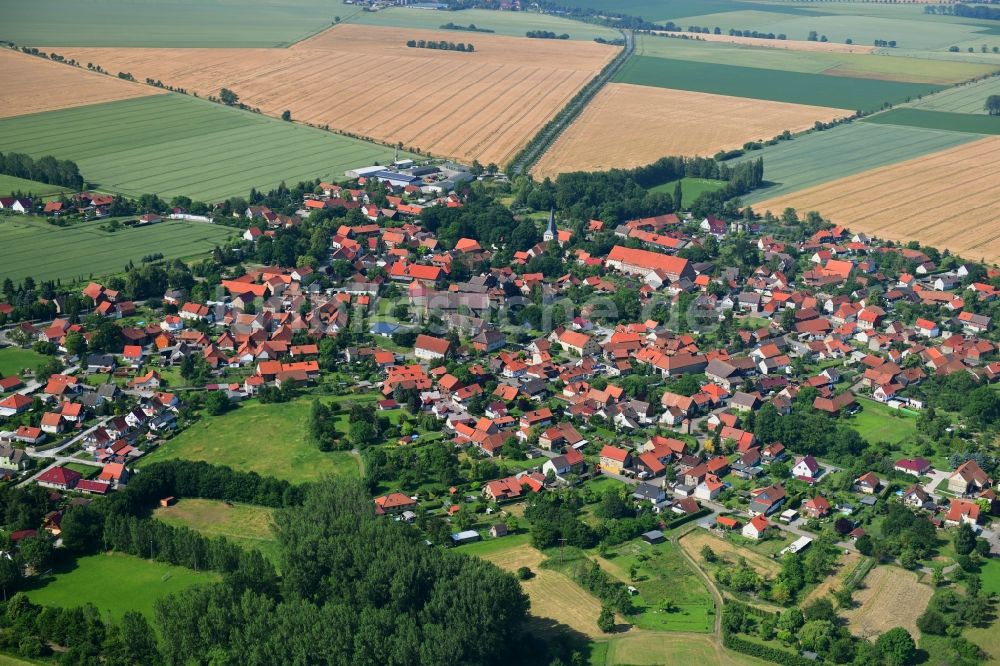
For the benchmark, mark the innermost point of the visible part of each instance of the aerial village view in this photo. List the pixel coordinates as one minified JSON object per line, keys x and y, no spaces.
{"x":475,"y":332}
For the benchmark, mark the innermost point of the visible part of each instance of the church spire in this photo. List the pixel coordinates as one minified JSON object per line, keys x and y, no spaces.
{"x":550,"y":230}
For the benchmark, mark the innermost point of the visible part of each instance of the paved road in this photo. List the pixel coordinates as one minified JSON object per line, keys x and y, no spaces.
{"x":53,"y":453}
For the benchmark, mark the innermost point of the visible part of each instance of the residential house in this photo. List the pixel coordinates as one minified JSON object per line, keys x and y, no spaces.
{"x":968,"y":479}
{"x":756,"y":528}
{"x":765,"y":501}
{"x":868,"y":483}
{"x":615,"y":460}
{"x":816,"y":507}
{"x":962,"y":511}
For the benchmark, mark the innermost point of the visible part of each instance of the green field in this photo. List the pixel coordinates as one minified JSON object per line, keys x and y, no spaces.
{"x":969,"y":98}
{"x":939,"y":120}
{"x":74,"y":253}
{"x":514,"y":24}
{"x":176,"y":144}
{"x":116,"y":584}
{"x":880,"y":423}
{"x":691,"y":188}
{"x":243,"y":524}
{"x":663,"y":10}
{"x":842,"y":151}
{"x":10,"y":184}
{"x":857,"y":65}
{"x":839,"y":92}
{"x":152,"y":23}
{"x":14,"y":359}
{"x":268,"y":439}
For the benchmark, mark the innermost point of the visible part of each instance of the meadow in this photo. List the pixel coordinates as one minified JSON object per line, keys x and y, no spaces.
{"x":179,"y":145}
{"x":74,"y":253}
{"x":243,"y":524}
{"x":481,"y":105}
{"x":268,"y":439}
{"x":819,"y":157}
{"x":658,"y":10}
{"x":691,"y":188}
{"x":181,"y":23}
{"x":969,"y":98}
{"x":770,"y":84}
{"x":14,"y":359}
{"x":11,"y":184}
{"x":939,"y":120}
{"x":880,"y":423}
{"x":777,"y":57}
{"x":651,"y":648}
{"x":890,"y":597}
{"x":115,"y":583}
{"x":513,"y":24}
{"x":628,"y":125}
{"x":903,"y":201}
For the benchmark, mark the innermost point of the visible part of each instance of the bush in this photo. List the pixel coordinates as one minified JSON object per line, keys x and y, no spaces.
{"x":524,"y":573}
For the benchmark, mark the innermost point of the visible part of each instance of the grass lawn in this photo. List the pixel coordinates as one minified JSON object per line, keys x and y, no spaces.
{"x":490,"y":546}
{"x":115,"y":583}
{"x":88,"y":471}
{"x":879,"y":423}
{"x":74,"y":253}
{"x":148,"y":144}
{"x":244,"y":524}
{"x":264,"y":438}
{"x":662,"y":575}
{"x":691,"y":188}
{"x":14,"y":359}
{"x":650,"y":647}
{"x":990,"y":573}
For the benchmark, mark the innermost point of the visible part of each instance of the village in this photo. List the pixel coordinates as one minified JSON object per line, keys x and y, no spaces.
{"x":786,"y":399}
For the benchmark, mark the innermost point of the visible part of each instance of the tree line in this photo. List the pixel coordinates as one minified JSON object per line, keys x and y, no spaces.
{"x":442,"y":45}
{"x":545,"y":34}
{"x":45,"y":169}
{"x":977,"y":11}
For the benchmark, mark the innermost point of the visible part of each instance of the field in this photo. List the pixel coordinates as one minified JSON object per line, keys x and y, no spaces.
{"x":939,"y":120}
{"x":845,"y":564}
{"x":33,"y":84}
{"x":14,"y":359}
{"x":11,"y":184}
{"x":483,"y":105}
{"x":658,"y":10}
{"x":651,"y":648}
{"x":116,"y":583}
{"x":969,"y":98}
{"x":950,"y":199}
{"x":264,"y":438}
{"x":664,"y":576}
{"x":691,"y":188}
{"x":771,"y":84}
{"x":553,"y":595}
{"x":244,"y":524}
{"x":48,"y":252}
{"x":890,"y":597}
{"x":790,"y":57}
{"x":513,"y":24}
{"x":843,"y":151}
{"x":629,"y":125}
{"x":693,"y":542}
{"x":175,"y":144}
{"x":182,"y":23}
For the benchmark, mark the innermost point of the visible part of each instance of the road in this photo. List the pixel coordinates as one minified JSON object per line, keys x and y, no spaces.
{"x":57,"y":459}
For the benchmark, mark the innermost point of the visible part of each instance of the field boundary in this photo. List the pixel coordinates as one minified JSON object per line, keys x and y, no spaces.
{"x":542,"y":141}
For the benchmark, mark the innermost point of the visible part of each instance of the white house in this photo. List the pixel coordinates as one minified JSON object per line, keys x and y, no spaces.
{"x":756,"y":528}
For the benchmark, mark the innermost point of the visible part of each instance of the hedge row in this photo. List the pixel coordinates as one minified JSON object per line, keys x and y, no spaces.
{"x":734,"y":642}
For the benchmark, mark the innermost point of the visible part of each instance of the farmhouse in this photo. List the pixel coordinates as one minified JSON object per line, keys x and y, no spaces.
{"x":645,"y":263}
{"x":429,"y":348}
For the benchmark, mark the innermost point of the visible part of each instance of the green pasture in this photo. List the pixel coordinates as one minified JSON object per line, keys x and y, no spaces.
{"x":939,"y":120}
{"x":514,"y":24}
{"x":244,"y":524}
{"x":270,"y":439}
{"x":853,"y":65}
{"x":115,"y":584}
{"x":839,"y":92}
{"x":820,"y":157}
{"x":179,"y":23}
{"x":691,"y":188}
{"x":12,"y":184}
{"x":968,"y":98}
{"x":14,"y":359}
{"x":74,"y":253}
{"x":879,"y":423}
{"x":175,"y":144}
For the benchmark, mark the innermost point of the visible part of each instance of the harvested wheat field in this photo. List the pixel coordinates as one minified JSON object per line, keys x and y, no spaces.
{"x":553,"y":595}
{"x":693,"y":542}
{"x":365,"y":81}
{"x":890,"y":597}
{"x":784,"y":44}
{"x":629,"y":125}
{"x":32,"y":84}
{"x":846,"y":563}
{"x":949,"y":199}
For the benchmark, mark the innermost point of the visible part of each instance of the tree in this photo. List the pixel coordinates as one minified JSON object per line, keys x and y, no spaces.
{"x":217,"y":403}
{"x":36,"y":551}
{"x":76,"y":344}
{"x":965,"y":539}
{"x":228,"y":97}
{"x":606,"y":620}
{"x":896,"y":647}
{"x":678,"y":195}
{"x":10,"y":575}
{"x":131,"y":641}
{"x":286,"y":115}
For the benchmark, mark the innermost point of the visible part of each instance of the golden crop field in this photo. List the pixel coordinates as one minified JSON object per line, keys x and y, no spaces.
{"x":890,"y":597}
{"x":949,"y":199}
{"x":33,"y":84}
{"x":629,"y":125}
{"x":365,"y":81}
